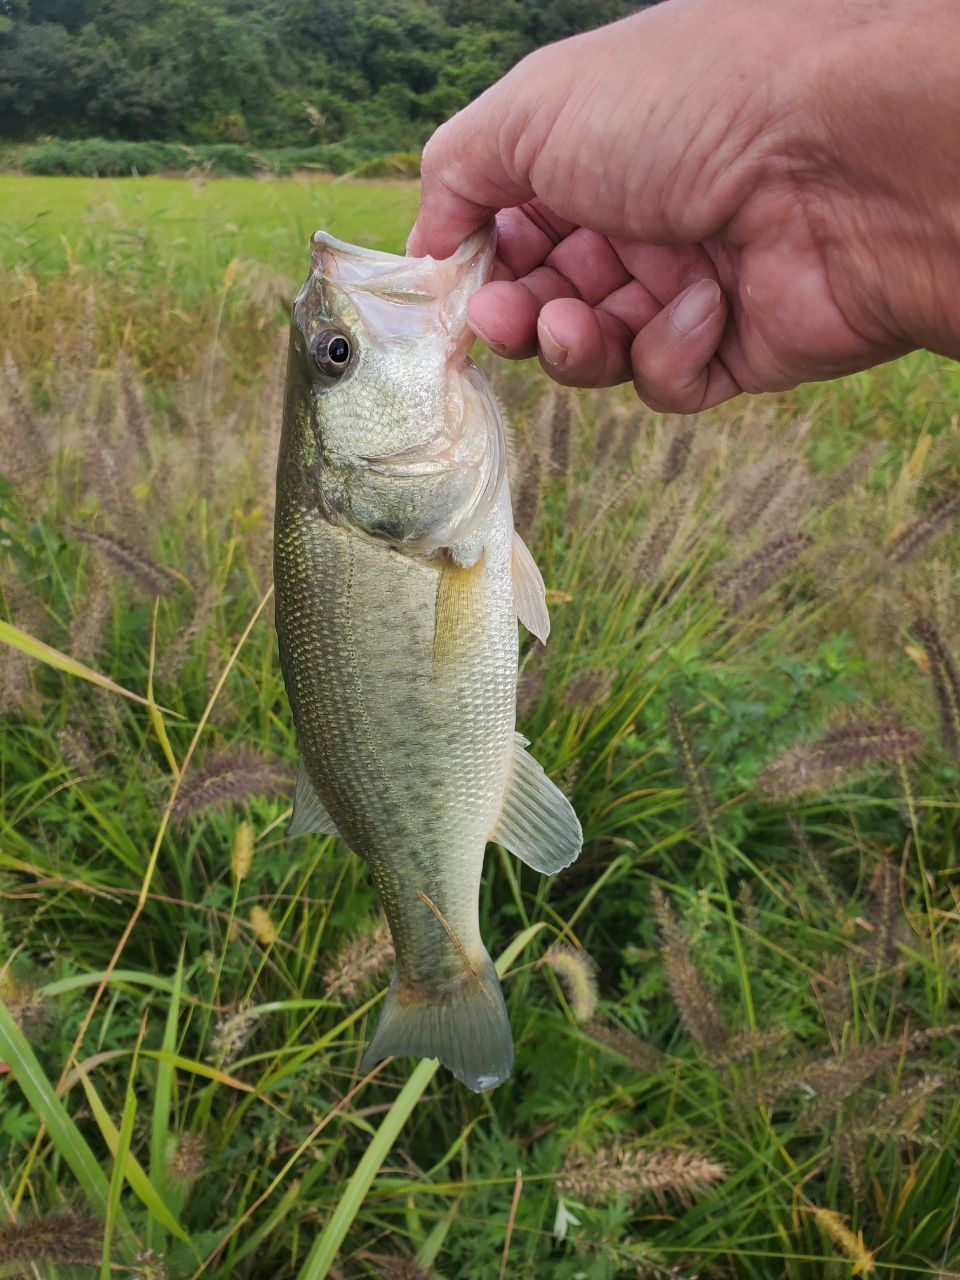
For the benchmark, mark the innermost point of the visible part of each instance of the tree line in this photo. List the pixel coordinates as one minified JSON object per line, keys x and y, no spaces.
{"x":381,"y":74}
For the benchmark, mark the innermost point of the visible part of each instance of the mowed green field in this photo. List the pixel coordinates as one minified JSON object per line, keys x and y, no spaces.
{"x":157,"y":250}
{"x":188,"y":225}
{"x":735,"y":1017}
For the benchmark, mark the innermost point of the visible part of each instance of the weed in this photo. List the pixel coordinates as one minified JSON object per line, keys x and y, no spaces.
{"x":762,"y":1034}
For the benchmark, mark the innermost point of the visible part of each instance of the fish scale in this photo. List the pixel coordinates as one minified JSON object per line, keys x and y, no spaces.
{"x":399,"y":581}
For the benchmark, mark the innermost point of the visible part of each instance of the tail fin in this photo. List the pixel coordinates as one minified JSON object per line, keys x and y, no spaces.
{"x":468,"y":1030}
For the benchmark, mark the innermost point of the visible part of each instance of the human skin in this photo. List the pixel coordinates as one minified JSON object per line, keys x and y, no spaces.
{"x":715,"y":196}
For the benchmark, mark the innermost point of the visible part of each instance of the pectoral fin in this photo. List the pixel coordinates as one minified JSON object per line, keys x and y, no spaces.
{"x":537,"y":821}
{"x":459,"y":597}
{"x":309,"y":815}
{"x":529,"y":593}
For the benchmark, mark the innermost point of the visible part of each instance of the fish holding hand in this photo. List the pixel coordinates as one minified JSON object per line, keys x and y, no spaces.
{"x":399,"y":581}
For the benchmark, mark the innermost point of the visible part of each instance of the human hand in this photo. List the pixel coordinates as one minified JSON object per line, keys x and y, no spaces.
{"x":715,"y":196}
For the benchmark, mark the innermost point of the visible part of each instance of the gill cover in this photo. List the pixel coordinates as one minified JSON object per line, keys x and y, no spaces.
{"x":408,"y":427}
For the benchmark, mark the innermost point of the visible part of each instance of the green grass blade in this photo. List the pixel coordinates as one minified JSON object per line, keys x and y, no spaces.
{"x":198,"y":1069}
{"x":327,"y":1245}
{"x":140,"y":1184}
{"x":427,"y":1254}
{"x":66,"y":1137}
{"x":41,"y":652}
{"x":119,"y":1164}
{"x":507,"y":957}
{"x":287,"y":1202}
{"x":162,"y":1094}
{"x":117,"y":978}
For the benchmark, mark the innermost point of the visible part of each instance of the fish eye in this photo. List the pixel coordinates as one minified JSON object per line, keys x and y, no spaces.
{"x":331,"y":350}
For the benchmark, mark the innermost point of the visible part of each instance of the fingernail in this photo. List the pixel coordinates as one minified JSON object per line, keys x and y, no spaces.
{"x":694,"y":307}
{"x":497,"y":347}
{"x":553,"y":352}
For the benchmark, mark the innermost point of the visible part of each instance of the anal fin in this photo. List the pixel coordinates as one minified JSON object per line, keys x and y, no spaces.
{"x":529,"y":593}
{"x":537,"y":821}
{"x":309,"y":814}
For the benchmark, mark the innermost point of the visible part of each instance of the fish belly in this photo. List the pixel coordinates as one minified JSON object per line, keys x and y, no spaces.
{"x":409,"y":751}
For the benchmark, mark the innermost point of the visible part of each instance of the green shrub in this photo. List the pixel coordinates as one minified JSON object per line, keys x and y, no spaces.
{"x":99,"y":157}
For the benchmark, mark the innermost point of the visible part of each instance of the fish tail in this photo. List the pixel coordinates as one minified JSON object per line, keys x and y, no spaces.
{"x":467,"y":1029}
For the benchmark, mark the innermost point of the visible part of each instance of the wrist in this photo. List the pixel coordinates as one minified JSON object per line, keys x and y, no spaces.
{"x":883,"y":188}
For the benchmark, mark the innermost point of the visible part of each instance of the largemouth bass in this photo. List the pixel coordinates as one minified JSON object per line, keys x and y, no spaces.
{"x":399,"y":581}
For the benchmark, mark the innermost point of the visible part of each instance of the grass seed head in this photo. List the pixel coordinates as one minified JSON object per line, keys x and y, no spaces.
{"x":836,"y":1000}
{"x":16,"y":689}
{"x":175,"y":655}
{"x":230,"y":778}
{"x":189,"y":1159}
{"x":242,"y":855}
{"x":761,"y":488}
{"x":133,"y":407}
{"x":844,"y":751}
{"x":909,"y":542}
{"x":32,"y":1014}
{"x":22,"y":453}
{"x":883,"y":914}
{"x":527,"y":506}
{"x":587,"y":689}
{"x":148,"y":1265}
{"x":361,"y":961}
{"x":630,"y":429}
{"x":404,"y":1269}
{"x":644,"y":1057}
{"x":692,"y":771}
{"x":833,"y":1080}
{"x":263,"y":926}
{"x":529,"y":689}
{"x":740,"y":1047}
{"x":762,"y":569}
{"x":657,"y":535}
{"x":678,"y":450}
{"x":89,"y":624}
{"x":578,"y":977}
{"x":946,"y":681}
{"x":690,"y":993}
{"x":605,"y":1175}
{"x":898,"y":1115}
{"x":233,"y":1032}
{"x":153,"y":577}
{"x":561,"y":421}
{"x":66,"y":1238}
{"x":833,"y":1226}
{"x":76,"y":748}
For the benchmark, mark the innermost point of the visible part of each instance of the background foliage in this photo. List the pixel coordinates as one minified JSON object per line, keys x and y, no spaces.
{"x":374,"y":76}
{"x":736,"y":1020}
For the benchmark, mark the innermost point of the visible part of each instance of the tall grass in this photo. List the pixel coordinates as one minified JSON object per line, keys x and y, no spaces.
{"x":734,"y":1016}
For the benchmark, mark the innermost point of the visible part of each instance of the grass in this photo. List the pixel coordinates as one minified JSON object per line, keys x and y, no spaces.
{"x":731,"y":1016}
{"x":156,"y":252}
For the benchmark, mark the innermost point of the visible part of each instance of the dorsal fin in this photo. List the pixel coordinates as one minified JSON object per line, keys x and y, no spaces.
{"x":529,"y":593}
{"x":537,"y":821}
{"x":309,"y":814}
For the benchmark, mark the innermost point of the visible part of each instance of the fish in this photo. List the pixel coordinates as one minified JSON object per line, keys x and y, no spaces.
{"x":399,"y":583}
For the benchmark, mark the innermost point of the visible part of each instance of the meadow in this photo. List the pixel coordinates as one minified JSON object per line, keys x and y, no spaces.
{"x":735,"y":1017}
